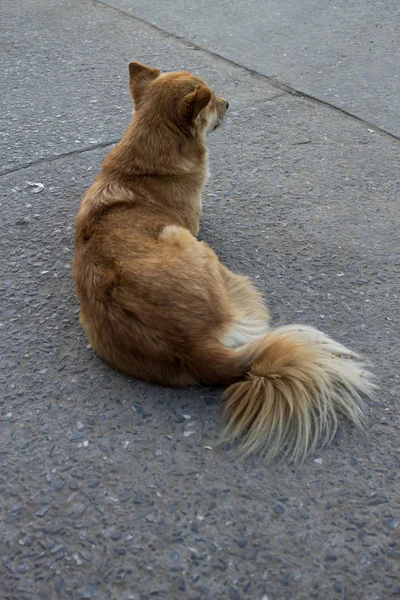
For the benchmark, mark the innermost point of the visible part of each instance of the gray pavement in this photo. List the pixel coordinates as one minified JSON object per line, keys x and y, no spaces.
{"x":114,"y":489}
{"x":344,"y":52}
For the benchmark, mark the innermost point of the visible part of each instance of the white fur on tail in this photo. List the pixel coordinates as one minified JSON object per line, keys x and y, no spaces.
{"x":298,"y":381}
{"x":245,"y":329}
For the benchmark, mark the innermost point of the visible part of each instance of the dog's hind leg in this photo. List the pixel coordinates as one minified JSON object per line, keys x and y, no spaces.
{"x":250,"y":315}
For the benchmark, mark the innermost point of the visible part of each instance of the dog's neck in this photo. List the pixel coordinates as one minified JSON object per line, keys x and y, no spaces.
{"x":157,"y":147}
{"x":169,"y":167}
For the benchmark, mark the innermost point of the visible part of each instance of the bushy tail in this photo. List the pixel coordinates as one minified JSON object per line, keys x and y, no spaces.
{"x":298,"y":382}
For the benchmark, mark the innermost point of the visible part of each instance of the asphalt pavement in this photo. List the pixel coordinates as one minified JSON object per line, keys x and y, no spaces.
{"x":111,"y":488}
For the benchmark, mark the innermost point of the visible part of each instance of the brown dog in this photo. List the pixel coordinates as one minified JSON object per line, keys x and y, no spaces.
{"x":158,"y":305}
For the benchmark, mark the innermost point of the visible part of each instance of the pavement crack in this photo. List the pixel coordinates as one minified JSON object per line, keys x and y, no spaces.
{"x":47,"y":159}
{"x":268,"y":99}
{"x":260,"y":76}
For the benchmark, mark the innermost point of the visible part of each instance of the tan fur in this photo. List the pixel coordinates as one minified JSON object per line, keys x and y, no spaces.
{"x":157,"y":304}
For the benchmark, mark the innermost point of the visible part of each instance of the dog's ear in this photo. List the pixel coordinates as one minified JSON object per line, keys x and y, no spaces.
{"x":193,"y":103}
{"x":139,"y":78}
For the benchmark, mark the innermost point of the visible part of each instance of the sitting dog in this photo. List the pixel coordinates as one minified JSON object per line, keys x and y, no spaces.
{"x":157,"y":304}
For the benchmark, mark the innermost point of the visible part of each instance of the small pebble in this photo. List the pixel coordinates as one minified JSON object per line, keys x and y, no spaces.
{"x":233,"y":594}
{"x":27,"y":541}
{"x":74,"y":435}
{"x":124,"y":496}
{"x":331,"y":557}
{"x":391,"y":523}
{"x":22,"y":568}
{"x":93,"y":483}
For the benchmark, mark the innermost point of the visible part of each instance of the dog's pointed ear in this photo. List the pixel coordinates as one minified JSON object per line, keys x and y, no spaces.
{"x":194,"y":103}
{"x":139,"y":78}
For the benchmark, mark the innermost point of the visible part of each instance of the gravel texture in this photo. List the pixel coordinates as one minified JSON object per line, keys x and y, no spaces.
{"x":111,"y":488}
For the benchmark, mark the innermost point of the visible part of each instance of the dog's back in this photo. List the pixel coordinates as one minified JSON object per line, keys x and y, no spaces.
{"x":145,"y":285}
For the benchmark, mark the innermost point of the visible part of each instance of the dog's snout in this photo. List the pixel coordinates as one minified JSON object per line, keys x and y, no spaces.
{"x":226,"y":104}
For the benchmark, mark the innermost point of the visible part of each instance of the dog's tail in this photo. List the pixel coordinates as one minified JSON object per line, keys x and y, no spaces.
{"x":296,"y":382}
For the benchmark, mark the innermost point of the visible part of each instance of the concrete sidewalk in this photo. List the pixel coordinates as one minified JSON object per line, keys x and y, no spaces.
{"x":115,"y":489}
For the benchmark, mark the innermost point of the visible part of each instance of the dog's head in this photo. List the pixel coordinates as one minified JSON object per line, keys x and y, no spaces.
{"x":182,"y":98}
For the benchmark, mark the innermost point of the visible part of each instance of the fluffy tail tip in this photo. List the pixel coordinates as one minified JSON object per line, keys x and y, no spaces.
{"x":289,"y":403}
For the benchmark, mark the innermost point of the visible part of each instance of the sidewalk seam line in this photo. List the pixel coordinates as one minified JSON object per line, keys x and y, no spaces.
{"x":45,"y":159}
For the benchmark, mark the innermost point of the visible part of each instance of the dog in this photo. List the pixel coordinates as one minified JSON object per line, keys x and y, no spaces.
{"x":157,"y":304}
